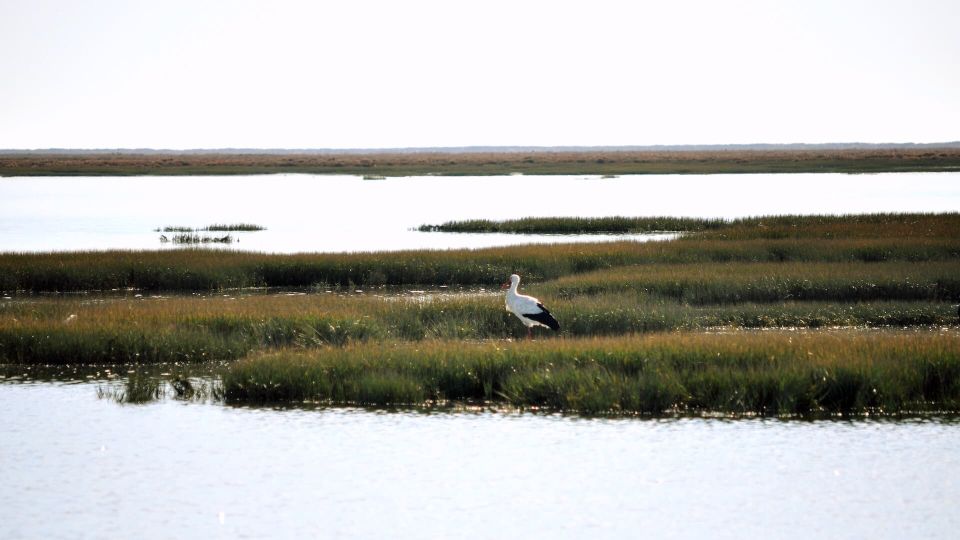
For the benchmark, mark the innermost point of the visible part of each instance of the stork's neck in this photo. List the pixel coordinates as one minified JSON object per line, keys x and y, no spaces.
{"x":513,"y":286}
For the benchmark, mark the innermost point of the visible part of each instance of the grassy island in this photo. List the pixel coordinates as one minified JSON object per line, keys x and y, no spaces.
{"x":780,"y":315}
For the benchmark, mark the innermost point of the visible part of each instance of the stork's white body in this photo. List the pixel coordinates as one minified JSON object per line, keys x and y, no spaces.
{"x":522,"y":305}
{"x":528,"y":309}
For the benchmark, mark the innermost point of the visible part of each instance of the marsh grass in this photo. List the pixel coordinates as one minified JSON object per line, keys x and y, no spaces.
{"x":123,"y":343}
{"x":739,"y":282}
{"x":787,"y":373}
{"x":831,"y":227}
{"x":196,"y":329}
{"x":865,"y":238}
{"x":878,"y":225}
{"x":576,"y":225}
{"x":198,"y":269}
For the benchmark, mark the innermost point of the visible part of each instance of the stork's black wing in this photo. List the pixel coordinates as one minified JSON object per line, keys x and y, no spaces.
{"x":544,"y":317}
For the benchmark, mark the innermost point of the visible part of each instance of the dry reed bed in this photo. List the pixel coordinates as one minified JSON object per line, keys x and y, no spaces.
{"x":484,"y":163}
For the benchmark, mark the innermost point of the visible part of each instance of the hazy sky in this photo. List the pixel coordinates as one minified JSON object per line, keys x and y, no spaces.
{"x":285,"y":73}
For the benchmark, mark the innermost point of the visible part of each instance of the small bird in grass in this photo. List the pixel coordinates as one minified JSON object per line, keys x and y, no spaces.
{"x":528,"y":309}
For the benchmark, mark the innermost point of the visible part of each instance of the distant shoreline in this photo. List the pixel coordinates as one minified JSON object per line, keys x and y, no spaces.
{"x":489,"y":149}
{"x":482,"y":161}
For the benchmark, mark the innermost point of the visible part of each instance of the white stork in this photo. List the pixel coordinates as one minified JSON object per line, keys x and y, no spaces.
{"x":528,"y":309}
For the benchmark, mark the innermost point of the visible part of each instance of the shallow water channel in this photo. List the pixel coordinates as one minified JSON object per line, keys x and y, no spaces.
{"x":78,"y":466}
{"x":346,"y":213}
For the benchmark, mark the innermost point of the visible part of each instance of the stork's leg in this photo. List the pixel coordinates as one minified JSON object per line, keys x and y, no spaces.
{"x":529,"y":332}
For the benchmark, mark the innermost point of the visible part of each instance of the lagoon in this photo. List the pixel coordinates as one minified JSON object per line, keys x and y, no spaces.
{"x":312,"y":213}
{"x":76,"y":466}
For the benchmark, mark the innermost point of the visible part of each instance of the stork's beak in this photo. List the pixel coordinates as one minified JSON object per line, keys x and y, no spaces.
{"x":505,"y":285}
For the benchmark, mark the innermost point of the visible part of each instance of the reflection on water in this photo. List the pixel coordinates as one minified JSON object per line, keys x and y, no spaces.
{"x":346,"y":213}
{"x":77,"y":466}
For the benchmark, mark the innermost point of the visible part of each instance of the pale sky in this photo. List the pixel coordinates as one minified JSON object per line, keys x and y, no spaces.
{"x":373,"y":74}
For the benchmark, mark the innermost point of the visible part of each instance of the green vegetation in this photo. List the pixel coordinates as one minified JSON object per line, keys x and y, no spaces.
{"x":771,"y":373}
{"x":193,"y":329}
{"x":738,"y":282}
{"x":880,"y":225}
{"x":646,"y":327}
{"x":203,"y":270}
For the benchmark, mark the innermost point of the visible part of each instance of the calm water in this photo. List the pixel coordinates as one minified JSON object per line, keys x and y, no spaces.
{"x":75,"y":466}
{"x":346,"y":213}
